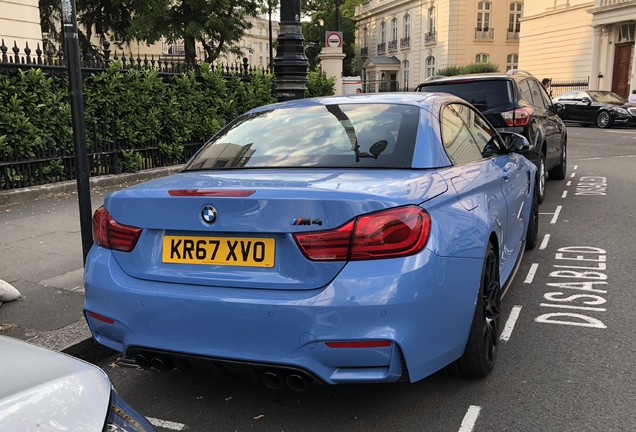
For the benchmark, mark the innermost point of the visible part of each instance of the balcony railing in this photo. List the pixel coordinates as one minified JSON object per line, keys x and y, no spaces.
{"x":382,"y":48}
{"x":364,"y":52}
{"x":513,"y":35}
{"x":405,"y":42}
{"x":484,"y":34}
{"x":393,"y":45}
{"x":430,"y":37}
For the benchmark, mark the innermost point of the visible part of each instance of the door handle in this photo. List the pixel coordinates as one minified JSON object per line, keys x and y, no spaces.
{"x":505,"y":175}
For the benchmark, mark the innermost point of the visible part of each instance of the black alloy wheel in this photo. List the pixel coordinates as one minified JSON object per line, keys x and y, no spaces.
{"x":481,"y":349}
{"x":559,"y":171}
{"x":541,"y":175}
{"x":533,"y":224}
{"x":604,"y":120}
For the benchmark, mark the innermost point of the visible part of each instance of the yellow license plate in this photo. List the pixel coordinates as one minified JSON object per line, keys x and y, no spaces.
{"x":230,"y":251}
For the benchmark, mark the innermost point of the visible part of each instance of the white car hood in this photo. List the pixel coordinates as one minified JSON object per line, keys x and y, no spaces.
{"x":42,"y":390}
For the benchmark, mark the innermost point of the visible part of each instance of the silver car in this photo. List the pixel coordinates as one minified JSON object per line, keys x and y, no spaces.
{"x":43,"y":390}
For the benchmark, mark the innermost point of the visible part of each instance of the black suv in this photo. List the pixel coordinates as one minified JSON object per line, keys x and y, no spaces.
{"x":516,"y":102}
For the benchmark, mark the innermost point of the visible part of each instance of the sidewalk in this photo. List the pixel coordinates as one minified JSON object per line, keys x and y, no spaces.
{"x":41,"y":256}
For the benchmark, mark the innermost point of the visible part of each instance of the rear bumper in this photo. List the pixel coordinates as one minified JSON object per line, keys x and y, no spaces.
{"x":422,"y":305}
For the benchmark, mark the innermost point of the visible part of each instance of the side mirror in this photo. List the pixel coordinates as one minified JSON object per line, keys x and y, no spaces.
{"x":558,"y":107}
{"x":515,"y":142}
{"x":586,"y":100}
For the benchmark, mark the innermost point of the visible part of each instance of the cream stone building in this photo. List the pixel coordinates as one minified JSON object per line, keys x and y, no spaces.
{"x":569,"y":40}
{"x":20,"y":24}
{"x":400,"y":43}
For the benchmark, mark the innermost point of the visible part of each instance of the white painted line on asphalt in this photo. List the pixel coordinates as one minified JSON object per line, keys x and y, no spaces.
{"x":574,"y":307}
{"x":575,"y":167}
{"x":565,"y":193}
{"x":470,"y":419}
{"x":572,"y":175}
{"x":531,"y":273}
{"x":510,"y":324}
{"x":166,"y":424}
{"x":556,"y":215}
{"x":544,"y":243}
{"x":569,"y":183}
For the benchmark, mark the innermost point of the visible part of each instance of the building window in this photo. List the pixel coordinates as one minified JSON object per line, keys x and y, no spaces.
{"x":407,"y":26}
{"x":394,"y":29}
{"x":481,"y":58}
{"x":516,"y":11}
{"x":405,"y":75}
{"x":430,"y":67}
{"x":382,"y":32}
{"x":626,"y":33}
{"x":431,"y":20}
{"x":512,"y":62}
{"x":365,"y":38}
{"x":483,"y":16}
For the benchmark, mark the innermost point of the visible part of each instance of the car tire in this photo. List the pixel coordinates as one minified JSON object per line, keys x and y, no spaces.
{"x":481,"y":349}
{"x":604,"y":120}
{"x":533,"y":224}
{"x":541,"y":176}
{"x":559,"y":171}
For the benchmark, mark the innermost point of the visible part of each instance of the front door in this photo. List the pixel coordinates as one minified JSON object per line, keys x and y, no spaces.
{"x":622,"y":63}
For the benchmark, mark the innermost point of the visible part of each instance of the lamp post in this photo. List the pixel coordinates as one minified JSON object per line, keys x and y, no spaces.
{"x":69,"y":21}
{"x":290,"y":64}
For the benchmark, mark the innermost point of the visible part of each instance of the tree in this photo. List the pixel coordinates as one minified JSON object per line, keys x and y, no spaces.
{"x":322,"y":18}
{"x":213,"y":23}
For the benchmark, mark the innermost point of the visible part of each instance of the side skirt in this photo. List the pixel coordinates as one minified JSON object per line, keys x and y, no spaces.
{"x":506,"y":285}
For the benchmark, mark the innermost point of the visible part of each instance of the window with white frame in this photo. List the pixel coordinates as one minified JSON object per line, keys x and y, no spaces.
{"x":430,"y":28}
{"x":514,"y":20}
{"x":405,"y":75}
{"x":394,"y":29}
{"x":512,"y":62}
{"x":482,"y":58}
{"x":407,"y":26}
{"x":382,"y":32}
{"x":430,"y":66}
{"x":483,"y":16}
{"x":365,"y":38}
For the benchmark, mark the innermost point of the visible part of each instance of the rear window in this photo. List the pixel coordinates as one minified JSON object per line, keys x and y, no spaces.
{"x":331,"y":136}
{"x":482,"y":94}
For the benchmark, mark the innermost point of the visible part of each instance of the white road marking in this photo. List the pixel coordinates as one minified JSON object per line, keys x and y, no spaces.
{"x":166,"y":424}
{"x":470,"y":419}
{"x":531,"y":273}
{"x":575,"y":167}
{"x":569,"y":183}
{"x":556,"y":215}
{"x":510,"y":324}
{"x":565,"y":193}
{"x":545,"y":241}
{"x":561,"y":306}
{"x":572,"y":175}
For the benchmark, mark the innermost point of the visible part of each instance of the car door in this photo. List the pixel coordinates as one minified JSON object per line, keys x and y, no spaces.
{"x":550,"y":121}
{"x":570,"y":110}
{"x":478,"y":178}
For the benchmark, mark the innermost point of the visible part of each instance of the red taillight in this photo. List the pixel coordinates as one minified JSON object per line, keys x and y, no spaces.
{"x":112,"y":235}
{"x":517,"y":117}
{"x":386,"y":234}
{"x":101,"y":317}
{"x":361,"y":344}
{"x":211,"y":192}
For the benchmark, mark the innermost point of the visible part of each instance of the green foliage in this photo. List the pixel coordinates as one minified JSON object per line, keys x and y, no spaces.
{"x":468,"y":69}
{"x":319,"y":85}
{"x":131,"y":161}
{"x":130,"y":109}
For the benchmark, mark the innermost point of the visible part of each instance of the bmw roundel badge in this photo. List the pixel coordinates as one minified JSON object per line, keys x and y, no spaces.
{"x":208,"y":214}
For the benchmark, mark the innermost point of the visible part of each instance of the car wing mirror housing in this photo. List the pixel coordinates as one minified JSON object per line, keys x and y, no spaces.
{"x":558,"y":107}
{"x":586,"y":100}
{"x":515,"y":142}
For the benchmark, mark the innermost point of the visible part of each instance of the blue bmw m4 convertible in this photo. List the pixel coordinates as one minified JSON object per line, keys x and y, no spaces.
{"x":347,"y":239}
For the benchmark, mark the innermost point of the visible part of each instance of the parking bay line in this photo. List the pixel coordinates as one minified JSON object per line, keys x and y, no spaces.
{"x":555,"y":216}
{"x":544,"y":243}
{"x":166,"y":424}
{"x":510,"y":324}
{"x":531,"y":273}
{"x":468,"y":423}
